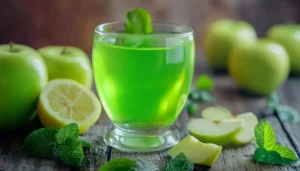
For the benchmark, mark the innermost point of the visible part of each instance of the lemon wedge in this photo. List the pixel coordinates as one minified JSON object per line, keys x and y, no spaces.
{"x":65,"y":101}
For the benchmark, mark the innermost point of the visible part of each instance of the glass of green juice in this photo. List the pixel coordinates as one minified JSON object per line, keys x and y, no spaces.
{"x":143,"y":81}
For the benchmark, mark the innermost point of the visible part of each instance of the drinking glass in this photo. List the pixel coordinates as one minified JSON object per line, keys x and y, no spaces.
{"x":143,"y":81}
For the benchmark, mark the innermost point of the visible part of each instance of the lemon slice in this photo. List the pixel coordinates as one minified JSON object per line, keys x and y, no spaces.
{"x":65,"y":101}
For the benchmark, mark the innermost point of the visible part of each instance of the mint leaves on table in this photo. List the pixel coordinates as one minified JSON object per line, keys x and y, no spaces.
{"x":138,"y":22}
{"x":41,"y":142}
{"x":287,"y":113}
{"x":179,"y":163}
{"x":124,"y":164}
{"x":267,"y":150}
{"x":202,"y":93}
{"x":284,"y":112}
{"x":63,"y":143}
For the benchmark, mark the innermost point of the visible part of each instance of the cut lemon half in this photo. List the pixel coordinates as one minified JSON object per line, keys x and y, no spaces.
{"x":65,"y":101}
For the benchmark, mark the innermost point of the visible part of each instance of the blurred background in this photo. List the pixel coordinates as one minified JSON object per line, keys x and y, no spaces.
{"x":39,"y":23}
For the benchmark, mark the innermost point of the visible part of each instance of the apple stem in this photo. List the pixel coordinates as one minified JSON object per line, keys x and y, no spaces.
{"x":64,"y":50}
{"x":11,"y":44}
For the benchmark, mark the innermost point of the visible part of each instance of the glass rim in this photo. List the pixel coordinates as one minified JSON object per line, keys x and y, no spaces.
{"x":100,"y":30}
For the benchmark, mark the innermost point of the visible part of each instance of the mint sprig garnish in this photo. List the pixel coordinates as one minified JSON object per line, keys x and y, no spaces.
{"x":267,"y":150}
{"x":68,"y":131}
{"x":41,"y":142}
{"x":138,"y":22}
{"x":284,"y":112}
{"x":63,"y":143}
{"x":179,"y":163}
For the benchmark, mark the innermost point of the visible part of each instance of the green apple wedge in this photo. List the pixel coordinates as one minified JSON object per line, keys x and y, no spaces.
{"x":217,"y":132}
{"x":67,"y":62}
{"x":247,"y":132}
{"x":216,"y":113}
{"x":196,"y":151}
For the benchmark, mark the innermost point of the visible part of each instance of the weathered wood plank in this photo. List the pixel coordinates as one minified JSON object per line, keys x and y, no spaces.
{"x":241,"y":158}
{"x":13,"y":159}
{"x":290,"y":94}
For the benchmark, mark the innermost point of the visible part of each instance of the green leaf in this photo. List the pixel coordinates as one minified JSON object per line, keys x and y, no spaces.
{"x":287,"y":113}
{"x":179,"y":163}
{"x":68,"y":131}
{"x":287,"y":155}
{"x":71,"y":152}
{"x":204,"y":82}
{"x":279,"y":155}
{"x":264,"y":135}
{"x":192,"y":108}
{"x":264,"y":156}
{"x":201,"y":96}
{"x":85,"y":143}
{"x":138,"y":22}
{"x":40,"y":142}
{"x":273,"y":100}
{"x":124,"y":164}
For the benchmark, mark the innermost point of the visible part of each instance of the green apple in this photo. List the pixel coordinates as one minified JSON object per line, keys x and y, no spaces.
{"x":289,"y":37}
{"x":67,"y":62}
{"x":196,"y":151}
{"x":259,"y":68}
{"x":222,"y":36}
{"x":247,"y":132}
{"x":23,"y":75}
{"x":216,"y":113}
{"x":220,"y":132}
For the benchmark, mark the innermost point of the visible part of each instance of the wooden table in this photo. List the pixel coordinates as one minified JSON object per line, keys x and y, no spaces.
{"x":231,"y":159}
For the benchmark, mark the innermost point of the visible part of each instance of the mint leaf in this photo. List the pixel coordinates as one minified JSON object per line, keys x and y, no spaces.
{"x":201,"y":96}
{"x":287,"y":155}
{"x":40,"y":142}
{"x":138,"y":22}
{"x":68,"y":131}
{"x":71,"y":153}
{"x":264,"y":135}
{"x":123,"y":164}
{"x":179,"y":163}
{"x":265,"y":156}
{"x":204,"y":82}
{"x":192,"y":108}
{"x":287,"y":113}
{"x":85,"y":143}
{"x":273,"y":100}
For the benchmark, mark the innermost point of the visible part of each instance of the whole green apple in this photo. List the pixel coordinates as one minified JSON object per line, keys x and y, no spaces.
{"x":259,"y":68}
{"x":222,"y":36}
{"x":23,"y":75}
{"x":289,"y":37}
{"x":67,"y":62}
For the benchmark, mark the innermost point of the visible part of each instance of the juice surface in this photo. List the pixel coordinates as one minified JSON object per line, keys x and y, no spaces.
{"x":143,"y":87}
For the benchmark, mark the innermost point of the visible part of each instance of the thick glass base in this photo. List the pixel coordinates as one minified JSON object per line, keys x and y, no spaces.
{"x":141,"y":141}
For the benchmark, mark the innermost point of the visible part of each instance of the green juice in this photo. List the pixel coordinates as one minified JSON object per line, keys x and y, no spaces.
{"x":143,"y":87}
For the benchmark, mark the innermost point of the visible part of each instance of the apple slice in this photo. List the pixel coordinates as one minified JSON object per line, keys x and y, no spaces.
{"x":216,"y":113}
{"x":247,"y":132}
{"x":217,"y":132}
{"x":196,"y":151}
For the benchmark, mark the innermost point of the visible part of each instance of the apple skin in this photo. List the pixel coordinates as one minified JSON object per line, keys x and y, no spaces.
{"x":23,"y":75}
{"x":289,"y":37}
{"x":259,"y":68}
{"x":73,"y":64}
{"x":196,"y":151}
{"x":222,"y":36}
{"x":223,"y":139}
